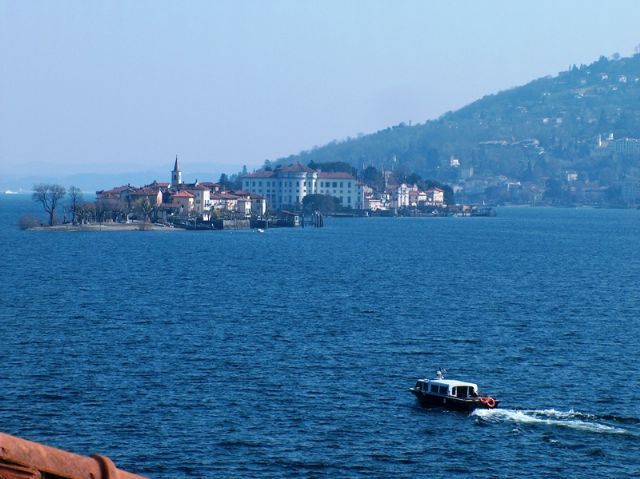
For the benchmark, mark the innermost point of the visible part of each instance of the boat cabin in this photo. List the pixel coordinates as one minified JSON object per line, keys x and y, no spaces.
{"x":447,"y":387}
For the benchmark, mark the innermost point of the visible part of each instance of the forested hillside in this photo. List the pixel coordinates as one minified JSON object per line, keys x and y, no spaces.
{"x":530,"y":133}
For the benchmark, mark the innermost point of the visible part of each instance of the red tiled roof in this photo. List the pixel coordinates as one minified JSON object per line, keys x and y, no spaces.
{"x":158,"y":185}
{"x":240,"y":192}
{"x":119,"y":189}
{"x":223,"y":195}
{"x":147,"y":191}
{"x":114,"y":191}
{"x":294,"y":168}
{"x":183,"y":194}
{"x":228,"y":196}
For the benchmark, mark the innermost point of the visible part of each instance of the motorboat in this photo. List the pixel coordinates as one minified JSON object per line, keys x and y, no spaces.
{"x":451,"y":394}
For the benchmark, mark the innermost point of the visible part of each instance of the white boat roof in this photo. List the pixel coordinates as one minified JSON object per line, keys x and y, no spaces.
{"x":450,"y":382}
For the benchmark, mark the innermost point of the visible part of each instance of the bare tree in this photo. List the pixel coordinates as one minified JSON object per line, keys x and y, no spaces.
{"x":120,"y":210}
{"x":85,"y":212}
{"x":146,"y":209}
{"x":75,"y":198}
{"x":48,"y":195}
{"x":104,"y":209}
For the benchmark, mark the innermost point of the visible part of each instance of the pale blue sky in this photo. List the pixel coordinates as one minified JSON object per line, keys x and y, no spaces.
{"x":122,"y":86}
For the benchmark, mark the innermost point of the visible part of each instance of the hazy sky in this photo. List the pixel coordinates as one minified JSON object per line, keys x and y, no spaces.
{"x":122,"y":86}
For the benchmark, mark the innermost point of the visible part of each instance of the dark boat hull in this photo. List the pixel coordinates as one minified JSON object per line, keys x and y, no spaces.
{"x":448,"y":402}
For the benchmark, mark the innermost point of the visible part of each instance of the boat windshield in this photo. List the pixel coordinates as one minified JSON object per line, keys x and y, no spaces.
{"x":464,"y":391}
{"x":439,"y":389}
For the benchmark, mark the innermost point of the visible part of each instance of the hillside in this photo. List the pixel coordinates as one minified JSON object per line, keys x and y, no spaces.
{"x":531,"y":133}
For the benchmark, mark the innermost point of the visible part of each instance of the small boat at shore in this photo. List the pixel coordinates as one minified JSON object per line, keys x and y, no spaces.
{"x":451,"y":394}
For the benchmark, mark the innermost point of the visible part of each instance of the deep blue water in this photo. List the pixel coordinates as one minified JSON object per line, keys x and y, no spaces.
{"x":290,"y":353}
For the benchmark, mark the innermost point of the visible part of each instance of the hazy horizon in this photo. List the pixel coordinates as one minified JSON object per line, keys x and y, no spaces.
{"x":117,"y":89}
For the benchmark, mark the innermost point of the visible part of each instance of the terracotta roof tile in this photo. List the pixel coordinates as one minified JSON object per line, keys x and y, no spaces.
{"x":147,"y":191}
{"x":182,"y":194}
{"x":294,"y":168}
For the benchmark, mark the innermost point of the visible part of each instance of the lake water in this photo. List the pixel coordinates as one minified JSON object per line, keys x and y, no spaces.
{"x":290,"y":353}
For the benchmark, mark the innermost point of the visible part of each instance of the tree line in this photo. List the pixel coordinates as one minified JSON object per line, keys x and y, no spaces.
{"x":76,"y":210}
{"x":50,"y":197}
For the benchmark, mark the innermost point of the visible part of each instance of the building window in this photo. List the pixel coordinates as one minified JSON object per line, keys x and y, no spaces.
{"x":335,"y":184}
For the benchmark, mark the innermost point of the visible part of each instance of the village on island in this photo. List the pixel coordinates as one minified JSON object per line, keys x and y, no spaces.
{"x":282,"y":196}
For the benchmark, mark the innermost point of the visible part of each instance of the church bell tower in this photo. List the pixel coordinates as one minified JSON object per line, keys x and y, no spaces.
{"x":176,"y":174}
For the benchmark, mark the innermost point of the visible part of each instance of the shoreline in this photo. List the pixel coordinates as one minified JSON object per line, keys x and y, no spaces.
{"x":105,"y":227}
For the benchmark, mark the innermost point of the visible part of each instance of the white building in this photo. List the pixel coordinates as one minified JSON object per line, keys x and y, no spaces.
{"x":625,"y":146}
{"x":202,"y":197}
{"x":400,"y":196}
{"x":286,"y":186}
{"x":374,"y":203}
{"x":435,"y":197}
{"x":342,"y":186}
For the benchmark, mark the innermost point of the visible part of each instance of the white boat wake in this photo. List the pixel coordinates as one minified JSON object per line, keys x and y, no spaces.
{"x":548,"y":417}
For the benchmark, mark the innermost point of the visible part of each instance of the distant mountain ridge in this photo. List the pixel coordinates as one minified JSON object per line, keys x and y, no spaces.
{"x":529,"y":133}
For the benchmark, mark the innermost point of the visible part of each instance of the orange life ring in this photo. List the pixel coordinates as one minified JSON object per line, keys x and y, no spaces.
{"x":490,"y":402}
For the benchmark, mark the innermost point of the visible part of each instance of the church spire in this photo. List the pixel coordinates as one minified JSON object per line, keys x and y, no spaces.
{"x":176,"y":174}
